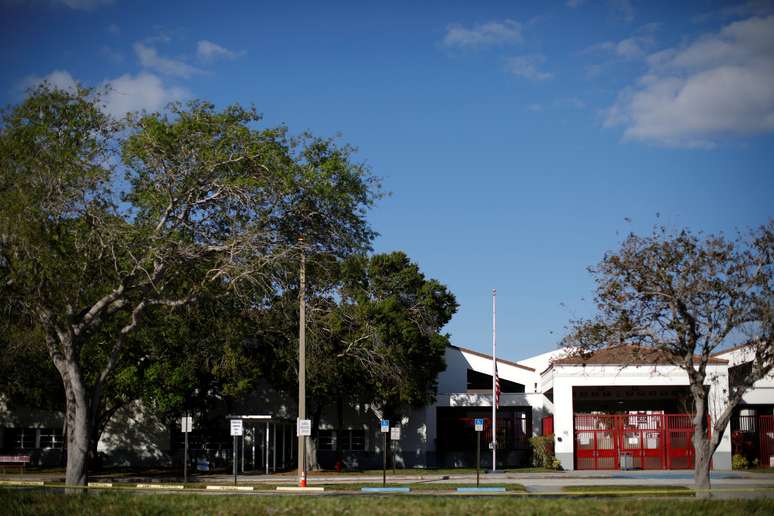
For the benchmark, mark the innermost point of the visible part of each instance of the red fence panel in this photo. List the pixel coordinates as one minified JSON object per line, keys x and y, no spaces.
{"x":766,"y":430}
{"x":679,"y":446}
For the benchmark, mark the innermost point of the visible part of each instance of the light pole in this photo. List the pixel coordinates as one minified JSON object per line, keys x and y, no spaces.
{"x":302,"y":367}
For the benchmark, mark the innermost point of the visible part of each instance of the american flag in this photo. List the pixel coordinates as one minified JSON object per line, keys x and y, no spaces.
{"x":497,"y":388}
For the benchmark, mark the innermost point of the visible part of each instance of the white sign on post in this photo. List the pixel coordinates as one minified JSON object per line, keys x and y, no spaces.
{"x":479,"y":424}
{"x":303,"y":427}
{"x":395,"y":433}
{"x":236,"y":427}
{"x":186,"y":424}
{"x":385,"y":426}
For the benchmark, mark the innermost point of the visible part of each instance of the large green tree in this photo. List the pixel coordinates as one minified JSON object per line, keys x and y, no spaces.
{"x":374,"y":336}
{"x":103,"y":223}
{"x":687,"y":296}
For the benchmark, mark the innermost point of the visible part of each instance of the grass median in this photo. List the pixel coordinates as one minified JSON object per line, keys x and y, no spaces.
{"x":627,"y":490}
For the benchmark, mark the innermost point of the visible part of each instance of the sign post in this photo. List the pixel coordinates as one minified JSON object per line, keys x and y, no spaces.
{"x":395,"y":437}
{"x":186,"y":423}
{"x":385,"y":428}
{"x":479,"y":429}
{"x":303,"y":429}
{"x":236,"y":431}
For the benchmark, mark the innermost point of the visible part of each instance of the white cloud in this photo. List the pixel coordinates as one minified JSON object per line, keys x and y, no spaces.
{"x":742,"y":10}
{"x":487,"y":34}
{"x":208,"y":51}
{"x":717,"y":85}
{"x":623,"y":8}
{"x":123,"y":94}
{"x":84,"y":5}
{"x":113,"y":56}
{"x":150,"y":58}
{"x":633,"y":47}
{"x":58,"y":79}
{"x":527,"y":67}
{"x":143,"y":91}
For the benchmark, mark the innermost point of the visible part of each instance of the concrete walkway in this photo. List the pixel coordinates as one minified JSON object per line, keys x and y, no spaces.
{"x":534,"y":482}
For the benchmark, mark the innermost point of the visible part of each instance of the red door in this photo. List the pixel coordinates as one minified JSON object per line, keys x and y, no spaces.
{"x":596,"y":442}
{"x":679,"y":447}
{"x":642,"y":441}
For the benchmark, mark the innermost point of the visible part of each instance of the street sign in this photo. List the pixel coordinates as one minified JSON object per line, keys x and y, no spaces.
{"x":385,"y":428}
{"x":395,"y":433}
{"x":236,"y":427}
{"x":304,"y":427}
{"x":186,"y":424}
{"x":479,"y":424}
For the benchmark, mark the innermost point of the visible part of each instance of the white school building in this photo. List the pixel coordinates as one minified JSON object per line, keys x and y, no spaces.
{"x":619,"y":408}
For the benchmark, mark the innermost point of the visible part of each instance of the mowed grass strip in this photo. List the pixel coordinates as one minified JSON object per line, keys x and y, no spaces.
{"x":20,"y":502}
{"x":416,"y":486}
{"x":625,"y":490}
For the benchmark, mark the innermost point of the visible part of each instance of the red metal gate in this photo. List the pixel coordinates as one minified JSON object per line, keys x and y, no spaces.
{"x":766,"y":431}
{"x":595,"y":442}
{"x":679,"y":446}
{"x":642,"y":440}
{"x":634,"y":441}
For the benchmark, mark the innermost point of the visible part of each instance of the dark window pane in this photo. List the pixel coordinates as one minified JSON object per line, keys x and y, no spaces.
{"x":326,"y":440}
{"x":357,"y":440}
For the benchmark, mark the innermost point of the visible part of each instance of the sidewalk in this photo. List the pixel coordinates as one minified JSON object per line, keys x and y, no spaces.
{"x":537,"y":481}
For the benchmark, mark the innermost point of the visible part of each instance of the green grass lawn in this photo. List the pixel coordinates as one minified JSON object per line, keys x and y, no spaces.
{"x":16,"y":502}
{"x":762,"y":471}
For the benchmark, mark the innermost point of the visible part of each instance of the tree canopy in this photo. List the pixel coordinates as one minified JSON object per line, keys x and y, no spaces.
{"x":104,"y":224}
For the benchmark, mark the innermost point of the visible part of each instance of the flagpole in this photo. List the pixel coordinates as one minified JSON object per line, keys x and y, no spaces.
{"x":494,"y":380}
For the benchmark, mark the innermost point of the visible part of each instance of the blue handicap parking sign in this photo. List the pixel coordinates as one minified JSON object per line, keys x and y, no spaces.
{"x":385,"y":425}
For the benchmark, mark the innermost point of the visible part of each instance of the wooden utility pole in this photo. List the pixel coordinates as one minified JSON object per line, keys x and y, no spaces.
{"x":302,"y":366}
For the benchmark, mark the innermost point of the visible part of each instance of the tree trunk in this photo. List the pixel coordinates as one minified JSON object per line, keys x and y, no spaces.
{"x":311,"y":448}
{"x":77,"y":414}
{"x":701,"y":446}
{"x":94,"y":464}
{"x":701,"y":472}
{"x":339,"y":432}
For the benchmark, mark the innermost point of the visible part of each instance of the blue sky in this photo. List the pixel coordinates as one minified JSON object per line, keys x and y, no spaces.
{"x":520,"y":140}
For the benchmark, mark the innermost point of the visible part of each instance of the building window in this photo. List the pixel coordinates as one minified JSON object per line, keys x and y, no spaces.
{"x":355,"y":440}
{"x":21,"y":438}
{"x":326,"y":440}
{"x":351,"y":440}
{"x":51,"y":438}
{"x":478,"y":381}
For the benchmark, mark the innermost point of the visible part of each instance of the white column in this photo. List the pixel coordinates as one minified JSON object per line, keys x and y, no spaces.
{"x":564,"y":440}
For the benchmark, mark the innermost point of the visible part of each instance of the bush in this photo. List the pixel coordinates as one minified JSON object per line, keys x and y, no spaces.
{"x":739,"y":461}
{"x":543,"y":452}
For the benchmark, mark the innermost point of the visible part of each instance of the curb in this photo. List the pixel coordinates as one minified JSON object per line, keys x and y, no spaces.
{"x":300,"y":489}
{"x":229,"y":488}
